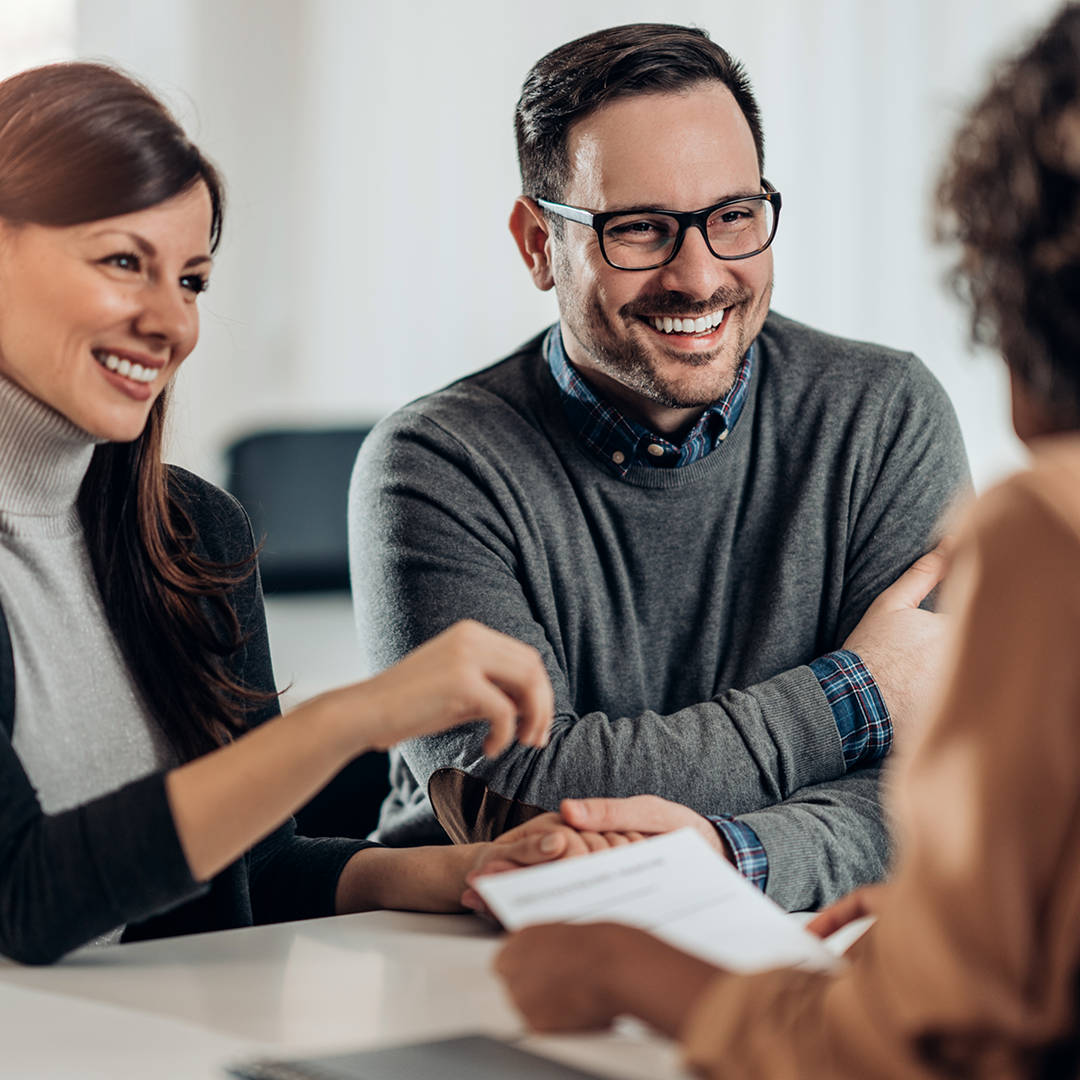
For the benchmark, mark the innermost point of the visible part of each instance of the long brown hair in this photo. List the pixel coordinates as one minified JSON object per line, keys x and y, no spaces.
{"x":81,"y":142}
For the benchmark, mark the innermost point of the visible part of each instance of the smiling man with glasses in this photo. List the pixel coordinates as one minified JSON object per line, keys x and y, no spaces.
{"x":685,"y":502}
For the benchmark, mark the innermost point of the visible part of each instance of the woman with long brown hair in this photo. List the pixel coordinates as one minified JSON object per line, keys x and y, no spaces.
{"x":146,"y":776}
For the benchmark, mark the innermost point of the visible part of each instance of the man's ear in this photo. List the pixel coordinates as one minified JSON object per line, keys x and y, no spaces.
{"x":533,"y":237}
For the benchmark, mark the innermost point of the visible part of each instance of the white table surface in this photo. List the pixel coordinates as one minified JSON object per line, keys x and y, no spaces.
{"x":184,"y":1007}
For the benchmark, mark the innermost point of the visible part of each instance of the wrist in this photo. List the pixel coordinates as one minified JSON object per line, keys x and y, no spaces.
{"x":647,"y":978}
{"x":347,"y":720}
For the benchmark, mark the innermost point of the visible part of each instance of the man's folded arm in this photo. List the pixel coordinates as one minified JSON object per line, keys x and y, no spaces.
{"x":744,"y":751}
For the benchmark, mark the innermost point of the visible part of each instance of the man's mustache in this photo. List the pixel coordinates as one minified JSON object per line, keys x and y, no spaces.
{"x":676,"y":304}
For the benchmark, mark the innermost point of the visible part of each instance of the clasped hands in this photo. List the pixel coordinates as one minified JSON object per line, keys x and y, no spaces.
{"x":582,"y":826}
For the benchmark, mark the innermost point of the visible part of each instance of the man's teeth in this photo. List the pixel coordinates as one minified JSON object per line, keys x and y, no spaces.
{"x":135,"y":372}
{"x":667,"y":325}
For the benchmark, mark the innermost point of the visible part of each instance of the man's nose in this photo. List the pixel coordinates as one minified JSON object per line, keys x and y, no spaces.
{"x":695,"y":271}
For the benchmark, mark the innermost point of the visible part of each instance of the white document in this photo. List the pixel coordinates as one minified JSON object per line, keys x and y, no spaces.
{"x":676,"y":887}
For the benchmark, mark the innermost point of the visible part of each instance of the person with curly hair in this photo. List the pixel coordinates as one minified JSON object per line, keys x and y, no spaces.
{"x":972,"y":966}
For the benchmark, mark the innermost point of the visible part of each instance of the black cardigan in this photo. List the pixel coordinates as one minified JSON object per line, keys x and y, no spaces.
{"x":66,"y":878}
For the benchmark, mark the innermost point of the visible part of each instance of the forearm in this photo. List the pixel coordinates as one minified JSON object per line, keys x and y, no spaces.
{"x":824,"y":841}
{"x":405,"y":879}
{"x":226,"y":801}
{"x":750,"y":749}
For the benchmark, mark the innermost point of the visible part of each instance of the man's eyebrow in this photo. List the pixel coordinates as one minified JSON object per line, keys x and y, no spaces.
{"x":148,"y":248}
{"x":637,"y":208}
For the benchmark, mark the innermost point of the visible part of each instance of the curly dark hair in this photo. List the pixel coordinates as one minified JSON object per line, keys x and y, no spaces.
{"x":1010,"y":195}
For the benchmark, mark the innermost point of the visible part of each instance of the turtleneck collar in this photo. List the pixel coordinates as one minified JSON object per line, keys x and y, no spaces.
{"x":43,"y":459}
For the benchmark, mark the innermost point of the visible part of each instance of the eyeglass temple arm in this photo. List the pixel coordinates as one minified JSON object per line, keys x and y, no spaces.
{"x":571,"y":213}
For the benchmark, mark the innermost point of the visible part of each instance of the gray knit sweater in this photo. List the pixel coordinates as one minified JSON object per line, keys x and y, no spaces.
{"x":675,"y":609}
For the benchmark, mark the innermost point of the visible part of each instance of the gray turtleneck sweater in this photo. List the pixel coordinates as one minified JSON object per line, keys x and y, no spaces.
{"x":87,"y":841}
{"x":81,"y":728}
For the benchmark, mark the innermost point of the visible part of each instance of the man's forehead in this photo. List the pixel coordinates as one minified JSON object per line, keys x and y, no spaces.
{"x":660,"y":149}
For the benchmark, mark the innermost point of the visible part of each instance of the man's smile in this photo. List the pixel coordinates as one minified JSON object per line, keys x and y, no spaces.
{"x":689,"y":324}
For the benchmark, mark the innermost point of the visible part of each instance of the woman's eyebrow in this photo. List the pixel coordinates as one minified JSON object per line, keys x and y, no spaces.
{"x":147,"y":248}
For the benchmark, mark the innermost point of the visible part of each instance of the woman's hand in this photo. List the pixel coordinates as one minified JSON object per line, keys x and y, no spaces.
{"x":541,"y":839}
{"x":579,"y":978}
{"x":435,"y":878}
{"x":856,"y":905}
{"x":468,"y":672}
{"x":224,"y":802}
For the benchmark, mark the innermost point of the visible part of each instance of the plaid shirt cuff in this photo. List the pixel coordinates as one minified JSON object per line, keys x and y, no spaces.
{"x":750,"y":858}
{"x":861,"y":717}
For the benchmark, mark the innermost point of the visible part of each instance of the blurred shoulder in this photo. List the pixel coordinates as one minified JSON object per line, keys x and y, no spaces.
{"x":1048,"y":491}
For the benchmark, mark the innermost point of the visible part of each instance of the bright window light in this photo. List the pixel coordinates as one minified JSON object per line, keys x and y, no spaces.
{"x":35,"y":32}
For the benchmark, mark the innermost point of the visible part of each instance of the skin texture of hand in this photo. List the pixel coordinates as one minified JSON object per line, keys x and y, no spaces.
{"x":226,"y":801}
{"x":638,"y":817}
{"x":579,"y":978}
{"x":586,"y":825}
{"x":434,"y":878}
{"x":856,"y":905}
{"x":468,"y":672}
{"x":904,"y":646}
{"x":550,"y":835}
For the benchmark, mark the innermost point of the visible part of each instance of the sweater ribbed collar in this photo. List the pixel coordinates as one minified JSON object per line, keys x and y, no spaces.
{"x":43,"y":459}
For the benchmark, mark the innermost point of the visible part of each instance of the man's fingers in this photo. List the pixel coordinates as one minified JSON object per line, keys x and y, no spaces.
{"x":639,"y":813}
{"x":913,"y":586}
{"x":606,"y":815}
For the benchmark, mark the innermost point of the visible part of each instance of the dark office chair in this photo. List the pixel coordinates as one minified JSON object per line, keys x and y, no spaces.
{"x":294,"y":485}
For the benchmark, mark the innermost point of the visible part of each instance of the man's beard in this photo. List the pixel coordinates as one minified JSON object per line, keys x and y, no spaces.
{"x":624,"y":357}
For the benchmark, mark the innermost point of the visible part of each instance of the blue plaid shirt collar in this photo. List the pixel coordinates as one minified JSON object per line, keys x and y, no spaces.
{"x":620,"y":442}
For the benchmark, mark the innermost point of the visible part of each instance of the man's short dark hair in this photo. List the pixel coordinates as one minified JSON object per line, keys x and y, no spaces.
{"x":578,"y":78}
{"x":1010,"y":196}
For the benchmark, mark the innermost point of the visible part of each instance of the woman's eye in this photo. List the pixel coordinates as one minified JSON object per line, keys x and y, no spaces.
{"x":195,"y":283}
{"x":124,"y":260}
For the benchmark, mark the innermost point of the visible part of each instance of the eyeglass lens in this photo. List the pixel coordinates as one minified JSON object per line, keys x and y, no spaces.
{"x":641,"y":241}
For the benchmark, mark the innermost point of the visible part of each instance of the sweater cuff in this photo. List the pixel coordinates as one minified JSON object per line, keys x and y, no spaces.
{"x":750,"y":858}
{"x":858,"y":708}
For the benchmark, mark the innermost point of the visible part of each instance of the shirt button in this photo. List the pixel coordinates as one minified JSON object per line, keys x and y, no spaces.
{"x":722,"y":436}
{"x":618,"y":457}
{"x":655,"y":449}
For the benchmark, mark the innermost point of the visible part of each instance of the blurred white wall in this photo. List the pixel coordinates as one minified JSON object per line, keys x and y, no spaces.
{"x":369,"y":154}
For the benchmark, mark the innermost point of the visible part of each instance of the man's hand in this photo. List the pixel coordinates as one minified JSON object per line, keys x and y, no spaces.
{"x":541,"y":839}
{"x":902,"y":645}
{"x":638,"y":817}
{"x":579,"y":978}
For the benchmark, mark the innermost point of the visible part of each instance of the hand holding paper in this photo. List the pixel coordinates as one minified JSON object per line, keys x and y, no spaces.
{"x":678,"y":889}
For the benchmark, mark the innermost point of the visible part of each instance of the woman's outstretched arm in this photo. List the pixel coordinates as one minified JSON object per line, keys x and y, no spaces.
{"x":230,"y":799}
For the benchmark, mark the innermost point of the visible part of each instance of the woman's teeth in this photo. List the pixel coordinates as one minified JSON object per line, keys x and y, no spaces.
{"x":135,"y":372}
{"x":668,"y":325}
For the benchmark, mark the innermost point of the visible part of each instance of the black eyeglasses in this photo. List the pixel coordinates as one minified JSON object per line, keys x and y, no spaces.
{"x":645,"y":239}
